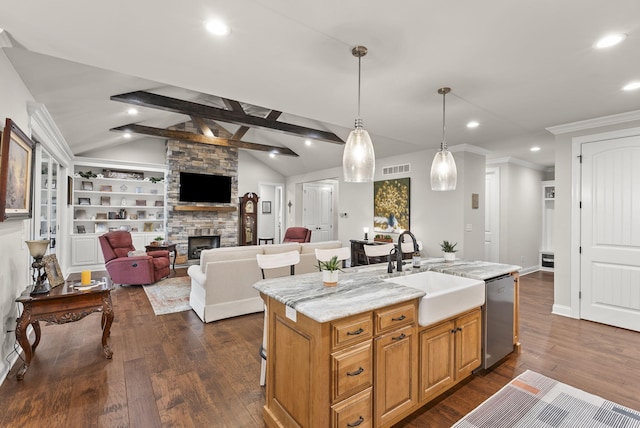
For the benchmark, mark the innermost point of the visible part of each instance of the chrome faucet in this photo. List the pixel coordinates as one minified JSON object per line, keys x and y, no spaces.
{"x":399,"y":253}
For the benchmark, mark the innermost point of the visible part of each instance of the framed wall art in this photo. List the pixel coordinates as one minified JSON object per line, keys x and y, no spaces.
{"x":391,"y":205}
{"x":266,"y":207}
{"x":16,"y":173}
{"x":53,"y":271}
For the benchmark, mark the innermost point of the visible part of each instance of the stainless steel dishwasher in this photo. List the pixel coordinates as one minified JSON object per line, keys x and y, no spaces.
{"x":498,"y":320}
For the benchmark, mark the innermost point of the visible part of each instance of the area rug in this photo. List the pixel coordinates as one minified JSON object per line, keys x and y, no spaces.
{"x":533,"y":400}
{"x":169,"y":295}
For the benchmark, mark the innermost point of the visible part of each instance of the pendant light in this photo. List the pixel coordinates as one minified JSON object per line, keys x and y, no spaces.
{"x":444,"y":174}
{"x":358,"y":159}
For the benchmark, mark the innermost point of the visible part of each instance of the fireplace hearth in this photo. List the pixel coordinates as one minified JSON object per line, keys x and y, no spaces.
{"x":198,"y":243}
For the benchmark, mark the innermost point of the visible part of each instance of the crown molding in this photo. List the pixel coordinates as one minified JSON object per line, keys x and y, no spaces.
{"x":469,"y":148}
{"x":597,"y":122}
{"x":516,"y":161}
{"x":43,"y":126}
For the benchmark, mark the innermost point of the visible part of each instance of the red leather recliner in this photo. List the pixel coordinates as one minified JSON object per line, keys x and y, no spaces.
{"x":297,"y":234}
{"x":145,"y":269}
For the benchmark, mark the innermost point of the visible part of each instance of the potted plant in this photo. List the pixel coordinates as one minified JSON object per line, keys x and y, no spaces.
{"x":157,"y":240}
{"x":330,"y":270}
{"x":383,"y":238}
{"x":449,"y":250}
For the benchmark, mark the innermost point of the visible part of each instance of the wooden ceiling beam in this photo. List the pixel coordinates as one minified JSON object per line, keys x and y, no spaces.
{"x":203,"y":127}
{"x":273,"y":115}
{"x":147,"y":99}
{"x":202,"y":139}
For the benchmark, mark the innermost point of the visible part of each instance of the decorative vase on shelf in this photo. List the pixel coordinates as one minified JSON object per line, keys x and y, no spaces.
{"x":330,"y":278}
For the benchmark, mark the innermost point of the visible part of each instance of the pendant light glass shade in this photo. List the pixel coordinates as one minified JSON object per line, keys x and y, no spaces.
{"x":444,"y":174}
{"x":358,"y":158}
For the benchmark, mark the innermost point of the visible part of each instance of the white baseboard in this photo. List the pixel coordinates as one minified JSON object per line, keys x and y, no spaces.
{"x":562,"y":310}
{"x":530,"y":269}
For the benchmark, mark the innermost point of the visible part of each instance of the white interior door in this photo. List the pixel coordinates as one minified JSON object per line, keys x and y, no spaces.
{"x":492,"y":215}
{"x":318,"y":210}
{"x":610,"y":232}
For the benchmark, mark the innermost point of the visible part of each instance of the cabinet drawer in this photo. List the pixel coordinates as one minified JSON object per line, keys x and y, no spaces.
{"x":351,"y":330}
{"x":354,"y":412}
{"x":394,"y":317}
{"x":351,"y":370}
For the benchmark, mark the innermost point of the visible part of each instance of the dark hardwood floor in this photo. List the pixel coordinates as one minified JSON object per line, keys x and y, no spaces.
{"x":174,"y":371}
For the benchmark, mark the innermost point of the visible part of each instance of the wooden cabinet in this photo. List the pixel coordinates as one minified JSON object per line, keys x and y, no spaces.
{"x":396,"y":351}
{"x":356,"y":371}
{"x":248,"y":222}
{"x":449,"y":352}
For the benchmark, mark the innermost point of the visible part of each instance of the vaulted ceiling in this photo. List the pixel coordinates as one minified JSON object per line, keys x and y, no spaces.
{"x":516,"y":68}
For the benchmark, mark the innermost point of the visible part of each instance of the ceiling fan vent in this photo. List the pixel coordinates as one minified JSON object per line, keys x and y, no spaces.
{"x":396,"y":169}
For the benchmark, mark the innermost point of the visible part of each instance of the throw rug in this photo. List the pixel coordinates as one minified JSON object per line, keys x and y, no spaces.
{"x":533,"y":400}
{"x":169,"y":295}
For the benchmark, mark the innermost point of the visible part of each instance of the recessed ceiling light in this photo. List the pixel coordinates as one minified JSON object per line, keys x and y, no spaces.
{"x":132,"y":111}
{"x":535,"y":149}
{"x":610,"y":40}
{"x":272,"y":155}
{"x":218,"y":28}
{"x":307,"y":142}
{"x":472,"y":124}
{"x":632,"y":86}
{"x":127,"y":135}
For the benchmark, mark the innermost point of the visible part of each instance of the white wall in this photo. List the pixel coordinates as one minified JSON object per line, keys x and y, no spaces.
{"x":15,"y":273}
{"x":251,"y":172}
{"x":520,"y":213}
{"x":143,"y":150}
{"x":435,"y":216}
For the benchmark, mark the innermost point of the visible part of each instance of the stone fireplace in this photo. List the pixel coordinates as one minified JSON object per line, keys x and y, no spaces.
{"x":184,"y":219}
{"x":196,"y":244}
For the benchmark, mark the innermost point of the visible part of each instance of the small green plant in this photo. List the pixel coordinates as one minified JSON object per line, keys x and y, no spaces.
{"x":155,"y":180}
{"x":158,"y":238}
{"x":387,"y":237}
{"x":332,"y":264}
{"x":448,"y":247}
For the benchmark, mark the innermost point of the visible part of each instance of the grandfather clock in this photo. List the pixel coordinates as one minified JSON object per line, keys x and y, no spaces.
{"x":248,"y":219}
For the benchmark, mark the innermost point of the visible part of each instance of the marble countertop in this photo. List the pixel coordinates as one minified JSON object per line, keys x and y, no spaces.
{"x":363,"y":288}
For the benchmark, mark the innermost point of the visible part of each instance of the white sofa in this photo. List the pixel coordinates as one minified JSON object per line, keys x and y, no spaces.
{"x":222,"y":284}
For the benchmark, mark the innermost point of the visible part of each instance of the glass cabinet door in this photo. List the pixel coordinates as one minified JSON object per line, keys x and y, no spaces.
{"x":46,"y":223}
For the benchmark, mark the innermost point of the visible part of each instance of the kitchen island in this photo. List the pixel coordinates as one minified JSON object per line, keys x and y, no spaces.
{"x":354,"y":355}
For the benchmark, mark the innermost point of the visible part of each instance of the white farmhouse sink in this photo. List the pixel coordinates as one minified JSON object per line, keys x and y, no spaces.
{"x":447,"y":295}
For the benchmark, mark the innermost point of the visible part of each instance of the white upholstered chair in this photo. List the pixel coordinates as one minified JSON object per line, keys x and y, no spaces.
{"x":267,"y":262}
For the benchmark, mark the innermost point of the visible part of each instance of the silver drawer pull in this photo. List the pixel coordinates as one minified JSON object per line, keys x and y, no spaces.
{"x":356,"y":373}
{"x":400,"y":318}
{"x":402,"y":336}
{"x":356,"y":423}
{"x":355,"y":333}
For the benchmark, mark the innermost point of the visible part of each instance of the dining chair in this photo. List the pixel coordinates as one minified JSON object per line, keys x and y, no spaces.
{"x":376,"y":251}
{"x":324,"y":255}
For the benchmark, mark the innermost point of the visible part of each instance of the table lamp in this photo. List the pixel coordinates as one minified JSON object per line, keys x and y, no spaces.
{"x":366,"y":233}
{"x":37,"y":249}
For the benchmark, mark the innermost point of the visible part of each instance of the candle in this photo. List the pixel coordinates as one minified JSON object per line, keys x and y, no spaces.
{"x":85,"y":277}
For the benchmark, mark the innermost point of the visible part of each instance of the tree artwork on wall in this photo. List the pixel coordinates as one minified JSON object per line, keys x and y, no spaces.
{"x":391,"y":205}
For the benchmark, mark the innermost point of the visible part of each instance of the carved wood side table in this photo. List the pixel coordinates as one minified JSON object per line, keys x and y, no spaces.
{"x":61,"y":305}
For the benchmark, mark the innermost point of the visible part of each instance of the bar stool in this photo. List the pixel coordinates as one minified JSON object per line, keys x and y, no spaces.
{"x":324,"y":255}
{"x":374,"y":251}
{"x":269,"y":262}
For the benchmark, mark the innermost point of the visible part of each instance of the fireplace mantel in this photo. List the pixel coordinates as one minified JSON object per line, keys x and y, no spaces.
{"x":198,"y":208}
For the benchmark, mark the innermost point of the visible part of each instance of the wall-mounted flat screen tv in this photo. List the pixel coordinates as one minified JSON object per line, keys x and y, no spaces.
{"x":204,"y":188}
